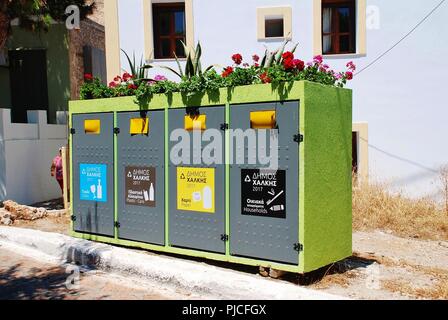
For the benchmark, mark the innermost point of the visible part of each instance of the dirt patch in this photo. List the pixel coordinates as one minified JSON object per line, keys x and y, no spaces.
{"x":57,"y":224}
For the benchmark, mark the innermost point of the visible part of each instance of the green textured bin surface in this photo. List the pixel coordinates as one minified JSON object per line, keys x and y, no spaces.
{"x":325,"y":184}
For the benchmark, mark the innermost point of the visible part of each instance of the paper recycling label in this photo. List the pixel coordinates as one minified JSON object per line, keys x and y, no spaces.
{"x":196,"y":189}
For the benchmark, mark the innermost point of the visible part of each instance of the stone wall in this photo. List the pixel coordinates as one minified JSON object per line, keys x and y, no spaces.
{"x":90,"y":34}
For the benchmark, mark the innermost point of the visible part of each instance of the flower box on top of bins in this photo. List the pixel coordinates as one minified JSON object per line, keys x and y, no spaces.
{"x":303,"y":221}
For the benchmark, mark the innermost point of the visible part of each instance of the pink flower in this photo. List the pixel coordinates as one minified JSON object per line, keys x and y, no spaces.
{"x":318,"y":59}
{"x":160,"y":78}
{"x":256,"y":58}
{"x":338,"y":76}
{"x":245,"y":65}
{"x":351,"y":66}
{"x":309,"y":64}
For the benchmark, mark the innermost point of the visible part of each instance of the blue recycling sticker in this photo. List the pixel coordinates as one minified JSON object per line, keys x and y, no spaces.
{"x":93,"y":182}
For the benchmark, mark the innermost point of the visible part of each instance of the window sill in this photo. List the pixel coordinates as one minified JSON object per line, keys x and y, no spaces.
{"x":274,"y":39}
{"x":167,"y":60}
{"x":344,"y":56}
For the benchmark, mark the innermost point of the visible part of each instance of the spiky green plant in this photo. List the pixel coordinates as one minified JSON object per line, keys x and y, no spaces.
{"x":139,"y":71}
{"x":275,"y":58}
{"x":193,"y":66}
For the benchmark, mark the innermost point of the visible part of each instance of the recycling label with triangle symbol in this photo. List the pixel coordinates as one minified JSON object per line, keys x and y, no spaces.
{"x":263,"y":193}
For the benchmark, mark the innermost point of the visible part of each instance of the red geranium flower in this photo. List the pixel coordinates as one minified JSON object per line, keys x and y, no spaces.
{"x":288,"y":55}
{"x":265,"y":78}
{"x":227,"y":72}
{"x":88,"y":77}
{"x":112,"y":84}
{"x":127,"y":77}
{"x":132,"y":86}
{"x":349,"y":75}
{"x":256,"y":58}
{"x":117,"y":79}
{"x":288,"y":64}
{"x":299,"y":64}
{"x":237,"y":58}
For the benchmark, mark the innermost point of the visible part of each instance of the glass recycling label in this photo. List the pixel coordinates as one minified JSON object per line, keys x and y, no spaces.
{"x":140,"y":186}
{"x":93,"y":182}
{"x":263,"y":193}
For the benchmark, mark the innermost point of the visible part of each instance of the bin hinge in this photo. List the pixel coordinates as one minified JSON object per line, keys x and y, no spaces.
{"x":117,"y":224}
{"x":225,"y":237}
{"x":224,"y":126}
{"x":72,"y":130}
{"x":117,"y":130}
{"x":298,"y":247}
{"x":73,"y":218}
{"x":298,"y":138}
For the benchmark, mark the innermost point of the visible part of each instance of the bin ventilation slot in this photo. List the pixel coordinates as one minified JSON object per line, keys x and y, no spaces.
{"x":196,"y":122}
{"x":139,"y":126}
{"x":92,"y":126}
{"x":263,"y":120}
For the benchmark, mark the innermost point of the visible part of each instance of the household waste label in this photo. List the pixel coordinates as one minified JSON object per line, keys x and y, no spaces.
{"x":140,"y":186}
{"x":93,"y":182}
{"x":263,"y":193}
{"x":196,"y":189}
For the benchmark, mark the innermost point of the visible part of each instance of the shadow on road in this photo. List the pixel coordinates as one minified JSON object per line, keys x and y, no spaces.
{"x":21,"y":283}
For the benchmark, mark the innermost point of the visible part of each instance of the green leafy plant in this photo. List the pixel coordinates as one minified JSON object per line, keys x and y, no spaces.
{"x":278,"y":67}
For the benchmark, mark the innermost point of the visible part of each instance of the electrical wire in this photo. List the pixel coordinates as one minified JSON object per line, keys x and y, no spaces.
{"x":403,"y":38}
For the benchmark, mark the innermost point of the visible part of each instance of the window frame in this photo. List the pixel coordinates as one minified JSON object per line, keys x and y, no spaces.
{"x":335,"y":36}
{"x":157,"y":9}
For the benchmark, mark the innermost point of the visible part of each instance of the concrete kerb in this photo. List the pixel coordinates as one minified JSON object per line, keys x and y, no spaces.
{"x":196,"y":277}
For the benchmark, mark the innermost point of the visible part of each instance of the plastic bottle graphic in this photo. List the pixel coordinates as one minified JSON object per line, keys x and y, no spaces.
{"x":99,"y":190}
{"x":151,"y":193}
{"x":207,"y":201}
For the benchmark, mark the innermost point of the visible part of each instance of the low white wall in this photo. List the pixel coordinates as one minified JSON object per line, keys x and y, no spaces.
{"x":26,"y":152}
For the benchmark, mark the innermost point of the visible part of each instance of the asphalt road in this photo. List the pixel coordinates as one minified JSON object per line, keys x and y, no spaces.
{"x":22,"y":278}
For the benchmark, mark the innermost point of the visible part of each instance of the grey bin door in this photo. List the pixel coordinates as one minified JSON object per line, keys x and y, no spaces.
{"x":270,"y":234}
{"x":141,"y":177}
{"x":93,"y":174}
{"x":194,"y":229}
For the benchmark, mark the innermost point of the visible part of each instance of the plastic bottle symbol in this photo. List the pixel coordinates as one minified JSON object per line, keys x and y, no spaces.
{"x":151,"y":193}
{"x":99,"y":190}
{"x":207,"y":201}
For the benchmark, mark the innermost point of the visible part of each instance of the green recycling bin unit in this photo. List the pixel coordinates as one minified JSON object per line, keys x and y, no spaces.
{"x":194,"y":174}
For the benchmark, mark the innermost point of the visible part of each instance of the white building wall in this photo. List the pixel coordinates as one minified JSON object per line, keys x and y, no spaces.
{"x":26,"y":152}
{"x":401,"y":96}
